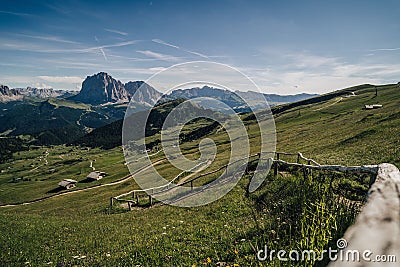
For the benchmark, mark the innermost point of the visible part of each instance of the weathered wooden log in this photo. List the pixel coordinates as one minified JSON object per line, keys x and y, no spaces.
{"x":364,"y":168}
{"x":377,"y":227}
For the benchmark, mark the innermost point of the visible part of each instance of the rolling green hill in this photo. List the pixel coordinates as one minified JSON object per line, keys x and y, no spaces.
{"x":55,"y":121}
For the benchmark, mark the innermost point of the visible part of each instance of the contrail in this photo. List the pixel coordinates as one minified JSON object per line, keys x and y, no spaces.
{"x":104,"y":54}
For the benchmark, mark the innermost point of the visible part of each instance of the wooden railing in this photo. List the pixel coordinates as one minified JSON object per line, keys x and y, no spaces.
{"x":149,"y":192}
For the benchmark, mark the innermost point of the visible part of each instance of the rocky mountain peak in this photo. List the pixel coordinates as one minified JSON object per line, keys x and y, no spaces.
{"x":7,"y":94}
{"x":101,"y":88}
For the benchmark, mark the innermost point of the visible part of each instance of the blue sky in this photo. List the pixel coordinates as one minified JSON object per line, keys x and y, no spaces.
{"x":286,"y":47}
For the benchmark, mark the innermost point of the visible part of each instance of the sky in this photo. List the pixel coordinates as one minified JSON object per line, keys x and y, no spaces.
{"x":285,"y":47}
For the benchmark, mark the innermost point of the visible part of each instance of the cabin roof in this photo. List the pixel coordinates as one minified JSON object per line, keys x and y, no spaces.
{"x":66,"y":182}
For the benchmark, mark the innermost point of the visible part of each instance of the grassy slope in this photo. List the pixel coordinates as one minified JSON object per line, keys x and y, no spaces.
{"x":345,"y":133}
{"x":57,"y":229}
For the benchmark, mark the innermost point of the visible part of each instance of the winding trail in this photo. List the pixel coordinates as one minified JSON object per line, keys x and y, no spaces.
{"x":122,"y":180}
{"x":334,"y":103}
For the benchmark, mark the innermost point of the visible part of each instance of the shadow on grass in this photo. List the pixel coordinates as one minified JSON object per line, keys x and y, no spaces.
{"x":56,"y":190}
{"x":85,"y":181}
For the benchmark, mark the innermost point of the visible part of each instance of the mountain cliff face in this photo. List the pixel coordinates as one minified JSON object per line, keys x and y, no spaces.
{"x":142,"y":93}
{"x":7,"y":94}
{"x":101,"y":88}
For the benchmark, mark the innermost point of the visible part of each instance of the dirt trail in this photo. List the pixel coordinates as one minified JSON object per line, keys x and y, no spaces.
{"x":334,"y":103}
{"x":122,"y":180}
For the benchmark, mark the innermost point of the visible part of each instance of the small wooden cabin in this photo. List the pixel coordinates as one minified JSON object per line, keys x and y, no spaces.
{"x":96,"y":175}
{"x":373,"y":106}
{"x":67,"y":183}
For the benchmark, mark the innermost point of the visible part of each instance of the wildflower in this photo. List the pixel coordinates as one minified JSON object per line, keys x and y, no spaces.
{"x":181,"y":221}
{"x":164,"y":233}
{"x":164,"y":227}
{"x":273,"y":232}
{"x":194,"y":265}
{"x":108,"y":254}
{"x":242,"y":240}
{"x":235,"y":265}
{"x":208,"y":260}
{"x":236,"y":252}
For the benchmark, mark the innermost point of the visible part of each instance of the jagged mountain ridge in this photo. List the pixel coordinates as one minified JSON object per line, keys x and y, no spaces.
{"x":44,"y":92}
{"x":238,"y":100}
{"x":7,"y":94}
{"x":102,"y":88}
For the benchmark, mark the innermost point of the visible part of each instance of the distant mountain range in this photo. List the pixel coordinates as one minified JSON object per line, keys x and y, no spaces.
{"x":7,"y":94}
{"x":45,"y":92}
{"x":239,"y":100}
{"x":51,"y":116}
{"x":102,"y":88}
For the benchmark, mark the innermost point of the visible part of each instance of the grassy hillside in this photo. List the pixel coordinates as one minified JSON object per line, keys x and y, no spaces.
{"x":55,"y":121}
{"x":341,"y":130}
{"x":80,"y":229}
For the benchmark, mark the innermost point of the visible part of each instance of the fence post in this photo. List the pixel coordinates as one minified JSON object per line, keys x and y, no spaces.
{"x":331,"y":182}
{"x":133,"y":195}
{"x":137,"y":199}
{"x":111,"y":202}
{"x":309,"y":171}
{"x":305,"y":173}
{"x":150,"y":200}
{"x":129,"y":206}
{"x":372,"y":179}
{"x":276,"y":165}
{"x":191,"y":185}
{"x":298,"y":157}
{"x":276,"y":169}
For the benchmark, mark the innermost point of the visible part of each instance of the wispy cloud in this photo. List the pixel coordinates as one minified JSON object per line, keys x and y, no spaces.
{"x":117,"y":32}
{"x":16,"y":13}
{"x":318,"y":74}
{"x":159,"y":41}
{"x":158,"y":56}
{"x":61,"y":79}
{"x":385,"y":49}
{"x":49,"y":38}
{"x":46,"y":48}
